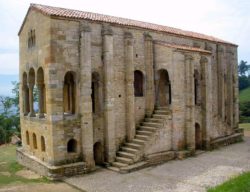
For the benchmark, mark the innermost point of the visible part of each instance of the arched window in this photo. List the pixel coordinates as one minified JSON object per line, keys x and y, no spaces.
{"x":163,"y":91}
{"x":196,"y":87}
{"x":72,"y":146}
{"x":43,"y":148}
{"x":69,"y":93}
{"x":31,"y":79}
{"x":27,"y":138}
{"x":138,"y":83}
{"x":25,"y":89}
{"x":34,"y":141}
{"x":41,"y":92}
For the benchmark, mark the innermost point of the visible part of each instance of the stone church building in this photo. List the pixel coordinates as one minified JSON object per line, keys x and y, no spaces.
{"x":120,"y":93}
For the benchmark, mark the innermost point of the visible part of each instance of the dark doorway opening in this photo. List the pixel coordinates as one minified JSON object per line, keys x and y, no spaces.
{"x":98,"y":153}
{"x":198,"y":136}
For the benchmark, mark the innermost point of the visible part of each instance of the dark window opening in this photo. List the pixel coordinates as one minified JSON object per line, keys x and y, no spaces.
{"x":138,"y":83}
{"x":72,"y":146}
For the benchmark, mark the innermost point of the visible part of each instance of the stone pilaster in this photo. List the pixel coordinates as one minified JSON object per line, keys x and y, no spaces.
{"x":85,"y":96}
{"x":229,"y":91}
{"x":178,"y":101}
{"x":236,"y":90}
{"x":31,"y":100}
{"x":130,"y":111}
{"x":109,"y":115}
{"x":206,"y":73}
{"x":221,"y":101}
{"x":189,"y":113}
{"x":150,"y":89}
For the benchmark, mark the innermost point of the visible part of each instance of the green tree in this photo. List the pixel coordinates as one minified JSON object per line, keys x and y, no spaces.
{"x":243,"y":68}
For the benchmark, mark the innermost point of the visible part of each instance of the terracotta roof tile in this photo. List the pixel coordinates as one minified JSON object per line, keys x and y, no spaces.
{"x":70,"y":13}
{"x":183,"y":47}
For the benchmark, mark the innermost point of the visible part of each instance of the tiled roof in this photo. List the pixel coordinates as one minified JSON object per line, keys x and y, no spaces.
{"x":183,"y":47}
{"x":75,"y":14}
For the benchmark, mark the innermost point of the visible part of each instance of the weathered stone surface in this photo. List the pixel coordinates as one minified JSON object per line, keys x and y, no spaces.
{"x":88,"y":115}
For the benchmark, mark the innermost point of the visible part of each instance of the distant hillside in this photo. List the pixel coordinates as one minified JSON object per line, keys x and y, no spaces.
{"x":245,"y":95}
{"x":5,"y":84}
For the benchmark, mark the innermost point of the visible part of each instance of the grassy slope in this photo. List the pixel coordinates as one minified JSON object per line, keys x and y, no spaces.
{"x":245,"y":95}
{"x":237,"y":184}
{"x":9,"y":165}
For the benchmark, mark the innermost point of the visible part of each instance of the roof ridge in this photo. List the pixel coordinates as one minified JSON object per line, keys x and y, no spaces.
{"x":78,"y":14}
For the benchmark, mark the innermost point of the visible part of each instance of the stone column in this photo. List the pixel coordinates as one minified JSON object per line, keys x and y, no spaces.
{"x":25,"y":100}
{"x":178,"y":105}
{"x":189,"y":90}
{"x":229,"y":91}
{"x":41,"y":100}
{"x":206,"y":100}
{"x":31,"y":100}
{"x":85,"y":96}
{"x":150,"y":89}
{"x":221,"y":101}
{"x":109,"y":115}
{"x":236,"y":90}
{"x":130,"y":111}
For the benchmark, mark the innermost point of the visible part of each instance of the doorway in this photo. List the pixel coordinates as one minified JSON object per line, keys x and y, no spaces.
{"x":198,"y":137}
{"x":98,"y":153}
{"x":163,"y":94}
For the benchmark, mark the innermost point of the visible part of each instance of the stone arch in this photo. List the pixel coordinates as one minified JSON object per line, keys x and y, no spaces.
{"x":25,"y":89}
{"x":138,"y":83}
{"x":69,"y":93}
{"x":98,"y":153}
{"x":163,"y":88}
{"x":41,"y":92}
{"x":95,"y":94}
{"x":34,"y":141}
{"x":27,"y":138}
{"x":72,"y":146}
{"x":43,"y":147}
{"x":31,"y":84}
{"x":198,"y":136}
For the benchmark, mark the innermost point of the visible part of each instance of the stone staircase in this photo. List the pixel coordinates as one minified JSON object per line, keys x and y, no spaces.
{"x":133,"y":151}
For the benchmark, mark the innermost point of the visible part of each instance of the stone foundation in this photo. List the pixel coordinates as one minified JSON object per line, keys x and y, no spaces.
{"x":224,"y":141}
{"x":52,"y":172}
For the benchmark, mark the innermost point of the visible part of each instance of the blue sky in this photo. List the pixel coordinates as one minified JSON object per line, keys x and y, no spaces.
{"x":225,"y":19}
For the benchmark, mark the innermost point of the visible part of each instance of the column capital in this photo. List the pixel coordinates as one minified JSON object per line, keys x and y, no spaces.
{"x":107,"y":30}
{"x":128,"y":35}
{"x":220,"y":49}
{"x":203,"y":59}
{"x":147,"y":37}
{"x":188,"y":57}
{"x":84,"y":27}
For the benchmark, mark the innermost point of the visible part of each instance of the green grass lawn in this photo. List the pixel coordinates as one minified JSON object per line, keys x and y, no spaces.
{"x":9,"y":167}
{"x":245,"y":126}
{"x":245,"y":95}
{"x":237,"y":184}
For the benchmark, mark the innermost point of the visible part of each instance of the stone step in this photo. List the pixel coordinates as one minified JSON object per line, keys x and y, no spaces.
{"x":138,"y":141}
{"x":126,"y":154}
{"x":124,"y":160}
{"x":134,"y":145}
{"x":145,"y":128}
{"x":161,"y":112}
{"x":154,"y":120}
{"x":140,"y":132}
{"x":159,"y":116}
{"x":130,"y":150}
{"x":119,"y":164}
{"x":163,"y":108}
{"x":142,"y":137}
{"x":114,"y":168}
{"x":151,"y":124}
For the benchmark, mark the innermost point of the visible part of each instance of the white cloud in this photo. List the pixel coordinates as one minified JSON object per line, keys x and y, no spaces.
{"x":226,"y":19}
